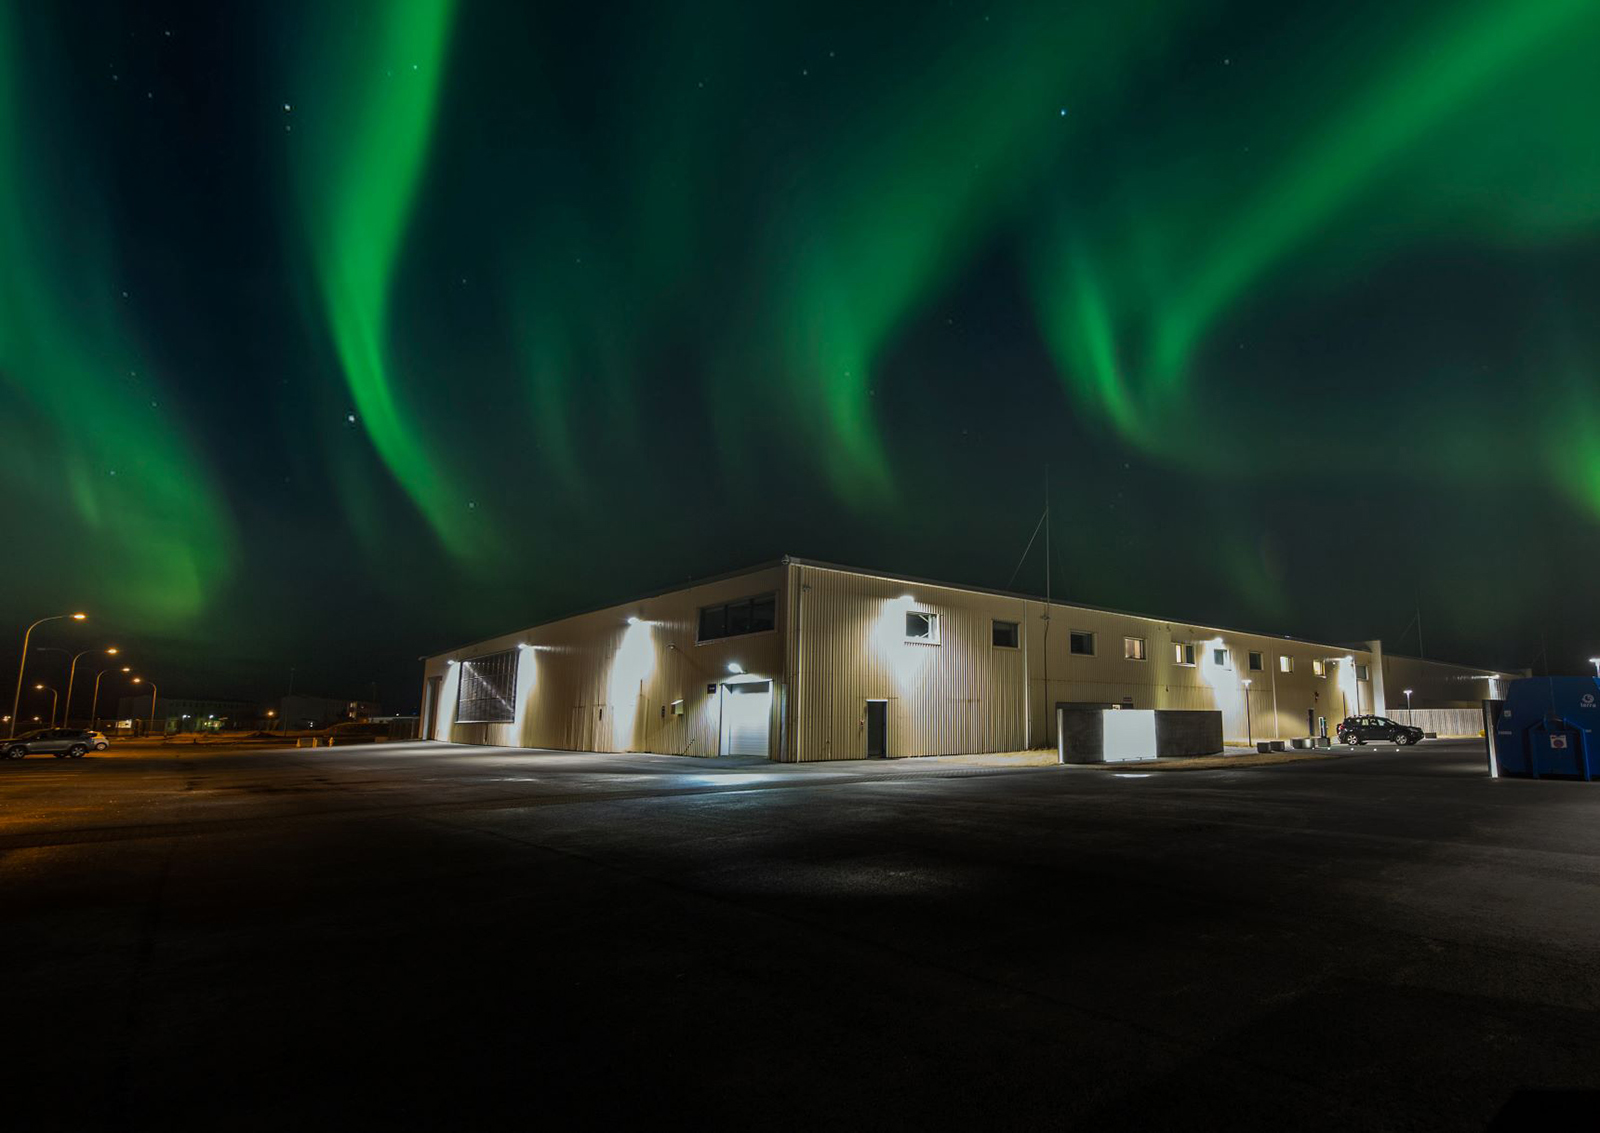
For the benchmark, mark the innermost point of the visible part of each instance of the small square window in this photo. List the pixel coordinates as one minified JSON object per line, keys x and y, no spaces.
{"x":1082,"y":643}
{"x":1318,"y":669}
{"x":1285,"y":664}
{"x":1219,"y":657}
{"x":1183,"y":652}
{"x":1133,"y":648}
{"x":923,"y":627}
{"x":1361,"y":672}
{"x":1004,"y":635}
{"x":1256,"y":661}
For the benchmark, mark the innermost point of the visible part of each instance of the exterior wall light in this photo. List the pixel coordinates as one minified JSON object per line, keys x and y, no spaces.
{"x":735,"y":667}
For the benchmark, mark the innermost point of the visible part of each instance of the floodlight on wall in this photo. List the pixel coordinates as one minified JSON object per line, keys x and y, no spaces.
{"x":735,"y":667}
{"x":633,"y":619}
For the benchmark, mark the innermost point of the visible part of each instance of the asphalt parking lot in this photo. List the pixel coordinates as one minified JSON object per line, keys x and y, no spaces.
{"x":430,"y":936}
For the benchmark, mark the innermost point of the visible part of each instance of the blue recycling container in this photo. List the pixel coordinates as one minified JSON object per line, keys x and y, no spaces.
{"x":1549,"y":728}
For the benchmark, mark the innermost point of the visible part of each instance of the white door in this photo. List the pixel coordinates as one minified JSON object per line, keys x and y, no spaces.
{"x":746,"y":718}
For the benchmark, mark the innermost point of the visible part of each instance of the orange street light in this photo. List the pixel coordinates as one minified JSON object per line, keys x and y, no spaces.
{"x":152,"y":684}
{"x":16,"y":698}
{"x":94,"y":704}
{"x":72,"y":674}
{"x":53,"y":699}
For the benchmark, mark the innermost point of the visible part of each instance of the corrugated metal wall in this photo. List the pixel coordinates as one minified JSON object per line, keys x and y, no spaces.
{"x":1278,"y":701}
{"x":1435,"y":684}
{"x":961,"y":695}
{"x":597,"y":682}
{"x":968,"y":695}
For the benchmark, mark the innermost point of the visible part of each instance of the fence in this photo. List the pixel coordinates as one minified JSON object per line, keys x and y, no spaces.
{"x":1442,"y":721}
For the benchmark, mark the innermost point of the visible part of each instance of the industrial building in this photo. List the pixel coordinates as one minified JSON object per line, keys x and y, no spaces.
{"x":801,"y":661}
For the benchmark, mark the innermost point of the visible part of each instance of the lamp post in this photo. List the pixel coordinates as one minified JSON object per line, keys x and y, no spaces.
{"x":53,"y":701}
{"x":94,"y":704}
{"x":72,"y":674}
{"x":1408,"y":700}
{"x":152,"y":684}
{"x":16,"y":699}
{"x":1249,"y":730}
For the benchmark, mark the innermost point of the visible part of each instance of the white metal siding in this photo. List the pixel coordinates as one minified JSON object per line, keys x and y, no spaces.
{"x":597,"y":682}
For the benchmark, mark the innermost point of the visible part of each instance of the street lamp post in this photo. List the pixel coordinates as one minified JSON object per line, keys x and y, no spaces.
{"x":54,"y":699}
{"x":94,"y":704}
{"x":152,"y":684}
{"x":72,"y":673}
{"x":1408,"y":700}
{"x":16,"y":699}
{"x":1249,"y":729}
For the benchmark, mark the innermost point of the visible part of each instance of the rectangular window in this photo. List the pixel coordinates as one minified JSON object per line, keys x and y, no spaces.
{"x":763,"y":613}
{"x":488,"y":691}
{"x":1183,"y":652}
{"x":1082,"y":643}
{"x":922,"y":626}
{"x":713,"y":623}
{"x":1256,"y":661}
{"x":1219,"y":657}
{"x":1361,"y":672}
{"x":1133,"y":648}
{"x":1285,"y":664}
{"x":1318,"y":669}
{"x":735,"y":619}
{"x":1004,"y":635}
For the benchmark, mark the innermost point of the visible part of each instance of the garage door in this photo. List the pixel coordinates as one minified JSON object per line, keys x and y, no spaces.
{"x":746,"y":718}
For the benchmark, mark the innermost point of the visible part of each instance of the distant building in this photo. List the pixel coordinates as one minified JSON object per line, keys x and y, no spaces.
{"x":320,"y":711}
{"x":289,"y":713}
{"x":174,"y":714}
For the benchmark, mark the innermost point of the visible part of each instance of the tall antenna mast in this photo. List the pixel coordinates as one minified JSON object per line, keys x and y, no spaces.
{"x":1049,"y":705}
{"x":1047,"y":540}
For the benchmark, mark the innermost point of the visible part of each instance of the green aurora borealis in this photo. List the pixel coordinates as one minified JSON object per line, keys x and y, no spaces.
{"x":425,"y":318}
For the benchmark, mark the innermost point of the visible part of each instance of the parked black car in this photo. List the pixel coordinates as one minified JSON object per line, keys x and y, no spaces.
{"x":1360,"y":729}
{"x":63,"y":743}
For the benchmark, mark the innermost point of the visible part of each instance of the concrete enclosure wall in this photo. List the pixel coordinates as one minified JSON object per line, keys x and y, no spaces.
{"x":1188,"y":733}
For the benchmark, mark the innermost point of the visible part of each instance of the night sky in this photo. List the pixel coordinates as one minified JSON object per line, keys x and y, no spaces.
{"x":336,"y":333}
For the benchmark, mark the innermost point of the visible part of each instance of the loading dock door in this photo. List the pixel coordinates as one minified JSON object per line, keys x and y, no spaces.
{"x":746,"y":718}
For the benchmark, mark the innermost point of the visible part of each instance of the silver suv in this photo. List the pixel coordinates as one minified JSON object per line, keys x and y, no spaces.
{"x":63,"y":743}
